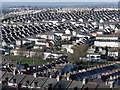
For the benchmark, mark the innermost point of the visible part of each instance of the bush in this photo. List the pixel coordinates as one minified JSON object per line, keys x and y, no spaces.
{"x":110,"y":58}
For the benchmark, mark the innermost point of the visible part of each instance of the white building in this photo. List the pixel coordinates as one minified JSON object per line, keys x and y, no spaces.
{"x":109,"y":41}
{"x":93,"y":56}
{"x":45,"y":36}
{"x":67,"y":31}
{"x":68,"y":48}
{"x":114,"y":54}
{"x":21,"y":42}
{"x":103,"y":43}
{"x":66,"y":37}
{"x":54,"y":55}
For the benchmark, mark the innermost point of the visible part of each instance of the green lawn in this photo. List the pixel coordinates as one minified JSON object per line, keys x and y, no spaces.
{"x":24,"y":60}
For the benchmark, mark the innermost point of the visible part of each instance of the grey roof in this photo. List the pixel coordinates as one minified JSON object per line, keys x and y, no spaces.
{"x":103,"y":86}
{"x":40,"y":81}
{"x":27,"y":78}
{"x":75,"y":84}
{"x":111,"y":35}
{"x":63,"y":84}
{"x":7,"y":69}
{"x":90,"y":85}
{"x":9,"y":75}
{"x":8,"y":88}
{"x":1,"y":73}
{"x":52,"y":81}
{"x":98,"y":80}
{"x":18,"y":78}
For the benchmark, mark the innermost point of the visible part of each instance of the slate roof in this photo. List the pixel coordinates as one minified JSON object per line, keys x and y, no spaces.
{"x":103,"y":86}
{"x":28,"y":78}
{"x":75,"y":84}
{"x":88,"y":74}
{"x":18,"y":78}
{"x":40,"y":81}
{"x":2,"y":73}
{"x":7,"y":69}
{"x":9,"y":75}
{"x":90,"y":85}
{"x":52,"y":81}
{"x":63,"y":84}
{"x":8,"y":88}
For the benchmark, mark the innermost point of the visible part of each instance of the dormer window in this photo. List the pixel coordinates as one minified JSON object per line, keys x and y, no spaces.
{"x":27,"y":82}
{"x":86,"y":88}
{"x":75,"y":88}
{"x":14,"y":80}
{"x":35,"y":84}
{"x":50,"y":87}
{"x":6,"y":79}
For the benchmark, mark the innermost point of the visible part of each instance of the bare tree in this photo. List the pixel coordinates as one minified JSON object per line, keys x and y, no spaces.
{"x":38,"y":54}
{"x":79,"y":51}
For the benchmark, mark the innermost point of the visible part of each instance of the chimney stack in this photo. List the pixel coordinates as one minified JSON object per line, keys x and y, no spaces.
{"x":35,"y":75}
{"x":111,"y":82}
{"x":28,"y":68}
{"x":59,"y":78}
{"x":65,"y":74}
{"x":85,"y":80}
{"x":68,"y":77}
{"x":106,"y":82}
{"x":104,"y":65}
{"x":8,"y":65}
{"x":50,"y":76}
{"x":39,"y":66}
{"x":81,"y":71}
{"x":97,"y":66}
{"x":112,"y":85}
{"x":101,"y":66}
{"x":64,"y":58}
{"x":14,"y":71}
{"x":34,"y":67}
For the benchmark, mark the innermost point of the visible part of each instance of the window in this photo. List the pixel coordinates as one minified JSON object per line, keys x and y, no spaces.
{"x":92,"y":57}
{"x":98,"y":57}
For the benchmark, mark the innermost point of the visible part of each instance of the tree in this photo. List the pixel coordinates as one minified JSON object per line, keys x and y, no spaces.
{"x":109,"y":58}
{"x":38,"y":54}
{"x":79,"y":51}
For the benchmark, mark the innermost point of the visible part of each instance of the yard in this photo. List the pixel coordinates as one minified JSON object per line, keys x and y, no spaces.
{"x":26,"y":60}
